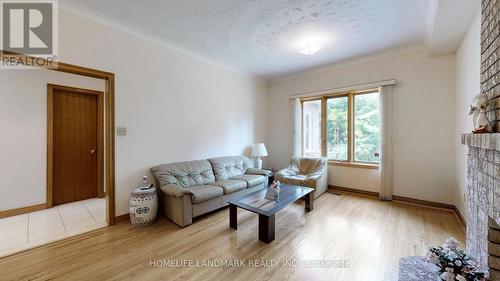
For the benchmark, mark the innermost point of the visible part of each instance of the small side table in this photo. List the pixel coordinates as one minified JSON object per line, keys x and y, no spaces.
{"x":143,"y":206}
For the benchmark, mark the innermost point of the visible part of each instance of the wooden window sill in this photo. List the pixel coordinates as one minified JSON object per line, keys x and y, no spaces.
{"x":353,"y":165}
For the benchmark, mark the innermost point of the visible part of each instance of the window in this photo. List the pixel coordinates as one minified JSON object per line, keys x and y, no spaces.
{"x":337,"y":141}
{"x":311,"y":126}
{"x":351,"y":128}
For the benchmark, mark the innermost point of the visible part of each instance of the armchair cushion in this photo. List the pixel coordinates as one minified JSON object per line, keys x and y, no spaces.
{"x":252,"y":180}
{"x":303,"y":171}
{"x":230,"y":186}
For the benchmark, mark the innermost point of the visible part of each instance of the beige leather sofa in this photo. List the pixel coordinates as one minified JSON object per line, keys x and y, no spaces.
{"x":310,"y":172}
{"x":192,"y":188}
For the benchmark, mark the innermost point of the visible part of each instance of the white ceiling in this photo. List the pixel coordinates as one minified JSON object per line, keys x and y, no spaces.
{"x":257,"y":36}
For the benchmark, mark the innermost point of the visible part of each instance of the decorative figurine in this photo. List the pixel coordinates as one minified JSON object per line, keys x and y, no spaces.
{"x":478,"y":109}
{"x":273,"y":191}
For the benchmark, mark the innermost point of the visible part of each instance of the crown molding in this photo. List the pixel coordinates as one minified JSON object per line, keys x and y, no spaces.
{"x":99,"y":18}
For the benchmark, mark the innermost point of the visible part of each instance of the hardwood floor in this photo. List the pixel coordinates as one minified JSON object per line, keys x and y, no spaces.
{"x":369,"y":234}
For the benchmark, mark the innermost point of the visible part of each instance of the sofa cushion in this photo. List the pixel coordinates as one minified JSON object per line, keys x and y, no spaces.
{"x":229,"y":166}
{"x":202,"y":193}
{"x":231,"y":186}
{"x":252,"y":180}
{"x":185,"y":174}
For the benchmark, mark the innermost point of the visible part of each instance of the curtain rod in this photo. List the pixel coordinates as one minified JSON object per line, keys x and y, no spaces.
{"x":346,"y":89}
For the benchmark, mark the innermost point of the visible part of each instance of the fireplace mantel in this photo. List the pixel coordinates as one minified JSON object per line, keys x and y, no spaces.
{"x":486,"y":141}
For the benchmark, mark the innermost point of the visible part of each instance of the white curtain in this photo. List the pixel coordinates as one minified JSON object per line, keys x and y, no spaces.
{"x":386,"y":141}
{"x":297,"y":126}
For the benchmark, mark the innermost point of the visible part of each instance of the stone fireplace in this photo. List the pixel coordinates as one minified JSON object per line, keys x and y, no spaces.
{"x":483,"y":161}
{"x":490,"y":58}
{"x":483,"y":200}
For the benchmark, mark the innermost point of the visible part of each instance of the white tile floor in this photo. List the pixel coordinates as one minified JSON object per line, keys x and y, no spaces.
{"x":26,"y":231}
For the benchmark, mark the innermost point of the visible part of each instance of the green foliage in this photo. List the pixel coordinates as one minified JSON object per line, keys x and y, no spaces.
{"x":367,"y":128}
{"x":336,"y":128}
{"x":455,"y":262}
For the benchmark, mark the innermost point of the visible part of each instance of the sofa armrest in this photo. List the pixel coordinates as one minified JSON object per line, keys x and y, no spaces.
{"x":319,"y":181}
{"x":175,"y":204}
{"x":175,"y":190}
{"x":261,"y":172}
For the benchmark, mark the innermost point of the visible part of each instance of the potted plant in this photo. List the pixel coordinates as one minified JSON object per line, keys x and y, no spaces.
{"x":454,"y":264}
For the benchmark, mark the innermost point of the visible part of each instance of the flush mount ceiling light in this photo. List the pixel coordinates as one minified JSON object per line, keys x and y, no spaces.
{"x":309,"y":46}
{"x":308,"y":39}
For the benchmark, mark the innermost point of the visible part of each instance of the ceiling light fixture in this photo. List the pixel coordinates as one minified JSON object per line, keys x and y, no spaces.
{"x":307,"y":38}
{"x":309,"y":43}
{"x":310,"y":48}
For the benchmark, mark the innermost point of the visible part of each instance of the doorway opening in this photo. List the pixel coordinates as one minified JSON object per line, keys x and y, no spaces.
{"x":99,"y":209}
{"x":75,"y":144}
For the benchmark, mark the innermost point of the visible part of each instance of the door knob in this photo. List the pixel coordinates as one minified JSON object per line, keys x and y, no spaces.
{"x":92,"y":151}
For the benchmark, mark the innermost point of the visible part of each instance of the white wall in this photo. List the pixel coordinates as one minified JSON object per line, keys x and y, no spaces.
{"x":23,"y":132}
{"x":468,"y":86}
{"x":424,"y":118}
{"x":175,"y":107}
{"x":364,"y":179}
{"x":179,"y":108}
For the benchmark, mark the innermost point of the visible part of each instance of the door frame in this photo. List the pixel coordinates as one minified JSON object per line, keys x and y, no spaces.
{"x":109,"y":97}
{"x":51,"y":88}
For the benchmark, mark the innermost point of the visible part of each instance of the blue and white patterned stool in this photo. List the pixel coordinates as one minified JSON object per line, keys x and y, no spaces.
{"x":143,"y":207}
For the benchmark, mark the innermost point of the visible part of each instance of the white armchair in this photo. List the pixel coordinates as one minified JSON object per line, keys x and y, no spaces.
{"x":310,"y":172}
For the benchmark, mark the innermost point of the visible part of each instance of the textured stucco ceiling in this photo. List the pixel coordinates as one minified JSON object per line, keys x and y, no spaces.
{"x":256,"y":36}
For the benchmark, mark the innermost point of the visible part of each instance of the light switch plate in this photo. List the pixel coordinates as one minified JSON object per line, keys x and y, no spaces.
{"x":121,"y":131}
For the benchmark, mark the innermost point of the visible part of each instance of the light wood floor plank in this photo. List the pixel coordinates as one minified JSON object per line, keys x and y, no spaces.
{"x":371,"y":235}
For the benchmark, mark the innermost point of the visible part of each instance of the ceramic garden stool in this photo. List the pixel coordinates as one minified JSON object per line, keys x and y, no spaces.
{"x":143,"y":206}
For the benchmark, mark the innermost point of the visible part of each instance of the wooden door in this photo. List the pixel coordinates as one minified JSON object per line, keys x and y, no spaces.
{"x":76,"y":144}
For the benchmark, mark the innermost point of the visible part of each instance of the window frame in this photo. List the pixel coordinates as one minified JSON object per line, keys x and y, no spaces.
{"x":323,"y":114}
{"x":303,"y":126}
{"x":308,"y":145}
{"x":350,"y":162}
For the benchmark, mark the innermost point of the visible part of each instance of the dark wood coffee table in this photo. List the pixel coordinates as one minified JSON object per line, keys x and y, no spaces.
{"x":257,"y":203}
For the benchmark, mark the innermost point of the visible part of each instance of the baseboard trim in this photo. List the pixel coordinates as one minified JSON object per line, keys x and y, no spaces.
{"x":122,"y":219}
{"x":406,"y":200}
{"x":423,"y":202}
{"x":353,"y":190}
{"x":23,"y":210}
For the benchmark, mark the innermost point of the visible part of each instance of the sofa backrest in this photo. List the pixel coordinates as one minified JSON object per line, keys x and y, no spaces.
{"x":185,"y":174}
{"x":229,"y":166}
